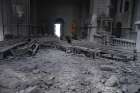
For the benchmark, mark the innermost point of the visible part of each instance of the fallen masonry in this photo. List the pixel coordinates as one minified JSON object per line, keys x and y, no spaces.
{"x":54,"y":69}
{"x":109,"y":53}
{"x":31,"y":47}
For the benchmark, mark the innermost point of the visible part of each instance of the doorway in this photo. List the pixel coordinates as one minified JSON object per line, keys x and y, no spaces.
{"x":119,"y":29}
{"x":57,"y":28}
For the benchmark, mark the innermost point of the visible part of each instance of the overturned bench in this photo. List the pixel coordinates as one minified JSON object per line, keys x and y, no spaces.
{"x":6,"y":51}
{"x":30,"y":48}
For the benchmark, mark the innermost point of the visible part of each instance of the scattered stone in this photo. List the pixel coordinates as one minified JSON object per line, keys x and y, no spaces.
{"x":133,"y":88}
{"x":112,"y":90}
{"x":103,"y":81}
{"x":107,"y":68}
{"x":36,"y":71}
{"x":85,"y":83}
{"x":9,"y":83}
{"x":64,"y":74}
{"x":28,"y":90}
{"x":112,"y":81}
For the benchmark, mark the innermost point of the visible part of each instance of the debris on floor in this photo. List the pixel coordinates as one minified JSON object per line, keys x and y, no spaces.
{"x":20,"y":48}
{"x":30,"y":48}
{"x":55,"y":71}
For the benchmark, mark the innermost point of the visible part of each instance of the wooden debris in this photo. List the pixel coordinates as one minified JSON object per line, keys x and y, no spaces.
{"x":92,"y":53}
{"x":30,"y":48}
{"x":6,"y":51}
{"x":118,"y":55}
{"x":105,"y":52}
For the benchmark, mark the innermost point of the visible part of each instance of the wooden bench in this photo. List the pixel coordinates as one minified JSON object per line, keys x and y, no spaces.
{"x":92,"y":53}
{"x":118,"y":55}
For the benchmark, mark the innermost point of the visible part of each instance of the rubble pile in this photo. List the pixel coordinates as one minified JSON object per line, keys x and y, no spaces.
{"x":19,"y":48}
{"x":54,"y":71}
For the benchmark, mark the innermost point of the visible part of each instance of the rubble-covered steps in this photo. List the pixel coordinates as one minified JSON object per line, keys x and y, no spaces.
{"x":54,"y":71}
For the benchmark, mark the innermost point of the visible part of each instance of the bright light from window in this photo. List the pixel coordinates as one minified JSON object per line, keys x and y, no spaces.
{"x":58,"y":30}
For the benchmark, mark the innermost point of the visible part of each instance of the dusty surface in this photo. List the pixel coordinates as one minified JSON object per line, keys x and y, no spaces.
{"x":53,"y":71}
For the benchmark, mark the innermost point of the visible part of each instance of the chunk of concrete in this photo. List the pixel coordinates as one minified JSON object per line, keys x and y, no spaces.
{"x":107,"y":68}
{"x":33,"y":89}
{"x":112,"y":81}
{"x":133,"y":88}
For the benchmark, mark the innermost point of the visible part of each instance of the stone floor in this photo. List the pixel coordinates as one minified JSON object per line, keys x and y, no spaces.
{"x":54,"y":71}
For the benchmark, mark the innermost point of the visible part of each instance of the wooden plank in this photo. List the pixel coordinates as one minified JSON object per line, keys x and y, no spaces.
{"x":34,"y":51}
{"x":11,"y":47}
{"x":4,"y":50}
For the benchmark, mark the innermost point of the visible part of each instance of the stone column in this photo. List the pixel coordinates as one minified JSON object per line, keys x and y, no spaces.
{"x":1,"y":21}
{"x":93,"y":28}
{"x":138,"y":36}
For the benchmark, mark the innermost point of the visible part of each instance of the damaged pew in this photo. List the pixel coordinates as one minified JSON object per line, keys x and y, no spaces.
{"x":118,"y":55}
{"x":7,"y":51}
{"x":91,"y":53}
{"x":30,"y":48}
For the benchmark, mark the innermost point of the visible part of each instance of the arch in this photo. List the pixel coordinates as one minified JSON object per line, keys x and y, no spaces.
{"x":59,"y":20}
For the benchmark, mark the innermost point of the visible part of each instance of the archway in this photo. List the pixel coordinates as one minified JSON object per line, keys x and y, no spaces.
{"x":59,"y":28}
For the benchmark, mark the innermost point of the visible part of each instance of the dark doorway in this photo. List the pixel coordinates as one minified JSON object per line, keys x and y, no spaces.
{"x":118,"y":30}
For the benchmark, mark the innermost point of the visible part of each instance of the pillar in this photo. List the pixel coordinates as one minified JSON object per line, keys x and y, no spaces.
{"x":1,"y":21}
{"x":93,"y":21}
{"x":138,"y":36}
{"x":93,"y":28}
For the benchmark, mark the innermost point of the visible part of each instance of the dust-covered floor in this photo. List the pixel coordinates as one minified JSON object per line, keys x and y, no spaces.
{"x":54,"y":71}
